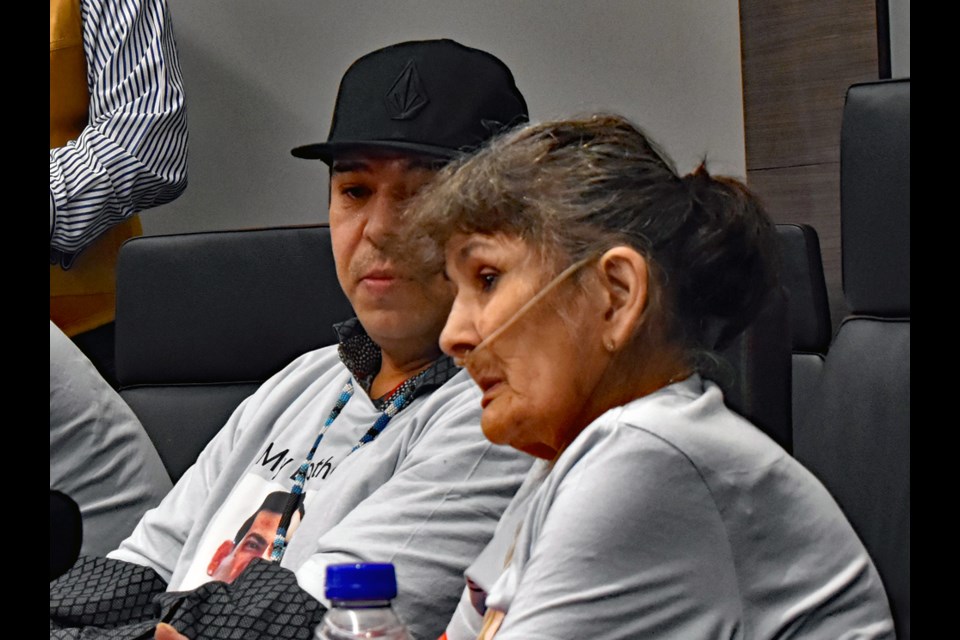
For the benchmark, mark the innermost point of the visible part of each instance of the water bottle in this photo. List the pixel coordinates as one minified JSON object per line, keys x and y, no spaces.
{"x":360,"y":596}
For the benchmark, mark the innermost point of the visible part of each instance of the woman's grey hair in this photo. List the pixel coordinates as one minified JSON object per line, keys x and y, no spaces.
{"x":577,"y":187}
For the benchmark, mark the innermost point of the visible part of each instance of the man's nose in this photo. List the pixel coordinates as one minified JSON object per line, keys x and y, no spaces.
{"x":459,"y":336}
{"x":383,"y":219}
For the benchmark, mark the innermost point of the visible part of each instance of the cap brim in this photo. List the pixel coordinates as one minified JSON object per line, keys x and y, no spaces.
{"x":326,"y":151}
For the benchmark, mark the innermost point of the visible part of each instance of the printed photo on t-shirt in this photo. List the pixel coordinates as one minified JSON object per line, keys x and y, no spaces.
{"x":243,"y":529}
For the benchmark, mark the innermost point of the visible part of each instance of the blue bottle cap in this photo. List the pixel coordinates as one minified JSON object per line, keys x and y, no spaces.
{"x":361,"y":581}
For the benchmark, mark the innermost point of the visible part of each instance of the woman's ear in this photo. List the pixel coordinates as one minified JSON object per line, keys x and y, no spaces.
{"x":623,"y":276}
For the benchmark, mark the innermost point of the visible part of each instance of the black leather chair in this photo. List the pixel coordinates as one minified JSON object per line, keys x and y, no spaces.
{"x":809,"y":308}
{"x":204,"y":318}
{"x":856,"y":436}
{"x":759,"y":385}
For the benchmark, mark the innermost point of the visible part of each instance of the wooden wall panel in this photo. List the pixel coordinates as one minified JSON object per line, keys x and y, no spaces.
{"x":809,"y":195}
{"x":799,"y":57}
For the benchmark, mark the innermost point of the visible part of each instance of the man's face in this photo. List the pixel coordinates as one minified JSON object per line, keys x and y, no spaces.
{"x":231,"y":559}
{"x":399,"y":302}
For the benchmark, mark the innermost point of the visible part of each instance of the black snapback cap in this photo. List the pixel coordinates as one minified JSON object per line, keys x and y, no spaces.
{"x":433,"y":97}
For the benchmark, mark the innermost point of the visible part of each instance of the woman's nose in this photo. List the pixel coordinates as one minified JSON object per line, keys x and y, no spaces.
{"x":459,"y":336}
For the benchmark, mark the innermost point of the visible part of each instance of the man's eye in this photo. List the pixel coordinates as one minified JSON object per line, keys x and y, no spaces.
{"x":355,"y":192}
{"x":255,"y":544}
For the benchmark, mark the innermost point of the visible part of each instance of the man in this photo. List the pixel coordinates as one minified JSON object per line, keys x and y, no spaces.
{"x":378,"y":438}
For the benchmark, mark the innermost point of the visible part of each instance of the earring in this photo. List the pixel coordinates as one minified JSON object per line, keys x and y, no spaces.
{"x":609,"y":345}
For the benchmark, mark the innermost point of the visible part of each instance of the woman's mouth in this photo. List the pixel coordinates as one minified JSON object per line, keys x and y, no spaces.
{"x":490,"y":387}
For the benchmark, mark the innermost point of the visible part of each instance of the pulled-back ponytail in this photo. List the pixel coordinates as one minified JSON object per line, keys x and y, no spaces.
{"x":721,"y":261}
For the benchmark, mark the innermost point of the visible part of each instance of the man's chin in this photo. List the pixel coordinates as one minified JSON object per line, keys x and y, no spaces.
{"x":370,"y":298}
{"x":384,"y":323}
{"x":401,"y":329}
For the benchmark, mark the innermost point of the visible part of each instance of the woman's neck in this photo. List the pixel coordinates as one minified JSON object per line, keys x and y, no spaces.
{"x":632,"y":375}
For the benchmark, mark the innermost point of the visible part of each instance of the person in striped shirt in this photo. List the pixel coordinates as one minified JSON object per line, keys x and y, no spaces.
{"x":118,"y":145}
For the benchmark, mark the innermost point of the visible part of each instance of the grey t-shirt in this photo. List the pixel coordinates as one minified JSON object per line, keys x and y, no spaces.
{"x":672,"y":517}
{"x":426,"y":494}
{"x":100,"y":454}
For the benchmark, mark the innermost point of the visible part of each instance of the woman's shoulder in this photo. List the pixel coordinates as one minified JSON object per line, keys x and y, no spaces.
{"x":678,"y":461}
{"x":686,"y":433}
{"x":691,"y":418}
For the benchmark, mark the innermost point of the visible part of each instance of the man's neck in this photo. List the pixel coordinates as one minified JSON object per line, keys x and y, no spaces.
{"x":396,"y":367}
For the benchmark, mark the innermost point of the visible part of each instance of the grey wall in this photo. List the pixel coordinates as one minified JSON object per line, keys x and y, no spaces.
{"x":261,"y":78}
{"x":899,"y":38}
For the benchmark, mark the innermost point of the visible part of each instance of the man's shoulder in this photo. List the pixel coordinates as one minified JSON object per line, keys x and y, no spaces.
{"x":310,"y":374}
{"x":316,"y":362}
{"x":459,"y":394}
{"x":445,"y":416}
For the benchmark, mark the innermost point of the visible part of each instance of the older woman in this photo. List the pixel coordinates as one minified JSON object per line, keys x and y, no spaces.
{"x":593,"y":285}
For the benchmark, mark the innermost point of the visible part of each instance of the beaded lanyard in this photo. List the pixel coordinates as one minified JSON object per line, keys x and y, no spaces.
{"x":400,"y":401}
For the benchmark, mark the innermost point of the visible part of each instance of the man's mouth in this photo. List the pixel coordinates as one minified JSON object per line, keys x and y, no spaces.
{"x":380,"y":274}
{"x":379,"y":279}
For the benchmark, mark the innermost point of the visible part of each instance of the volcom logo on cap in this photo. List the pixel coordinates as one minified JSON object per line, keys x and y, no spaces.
{"x":407,"y":96}
{"x":493,"y":127}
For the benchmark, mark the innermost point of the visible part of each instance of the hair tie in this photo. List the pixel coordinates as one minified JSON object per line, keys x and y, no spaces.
{"x":697,"y":179}
{"x":689,"y":183}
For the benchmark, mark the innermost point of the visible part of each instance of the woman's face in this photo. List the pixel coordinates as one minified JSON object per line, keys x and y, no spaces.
{"x":537,"y":376}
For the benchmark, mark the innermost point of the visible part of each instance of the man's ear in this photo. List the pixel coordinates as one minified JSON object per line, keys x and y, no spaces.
{"x":222,"y":552}
{"x":623,"y":275}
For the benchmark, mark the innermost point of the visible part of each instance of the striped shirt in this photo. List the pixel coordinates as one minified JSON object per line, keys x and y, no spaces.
{"x":132,"y":155}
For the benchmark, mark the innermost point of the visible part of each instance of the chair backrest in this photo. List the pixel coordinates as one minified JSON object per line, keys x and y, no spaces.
{"x":856,"y":436}
{"x":760,"y":385}
{"x":203,"y":318}
{"x":809,"y":308}
{"x":777,"y":360}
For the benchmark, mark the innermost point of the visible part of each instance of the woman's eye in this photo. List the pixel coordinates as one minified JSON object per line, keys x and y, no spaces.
{"x":488,"y":279}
